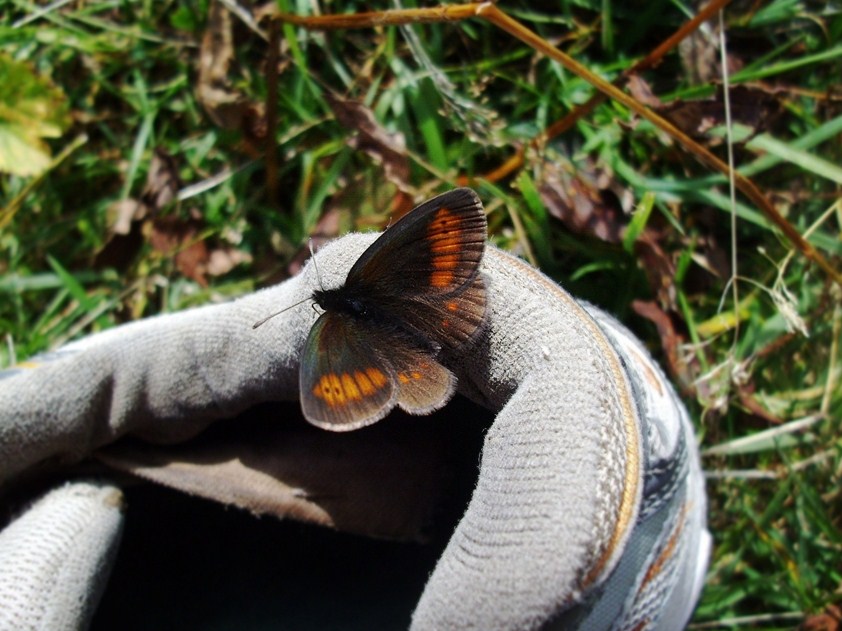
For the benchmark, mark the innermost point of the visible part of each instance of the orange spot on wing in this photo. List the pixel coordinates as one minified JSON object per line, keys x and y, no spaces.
{"x":339,"y":390}
{"x":377,"y":377}
{"x":366,"y":387}
{"x":406,"y":377}
{"x":349,"y":386}
{"x":441,"y":279}
{"x":329,"y":389}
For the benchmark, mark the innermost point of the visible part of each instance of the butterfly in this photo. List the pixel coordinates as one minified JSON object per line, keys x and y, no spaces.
{"x":414,"y":294}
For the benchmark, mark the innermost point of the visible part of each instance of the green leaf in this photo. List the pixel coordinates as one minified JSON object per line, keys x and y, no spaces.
{"x":638,"y":221}
{"x":31,"y":108}
{"x":71,"y":284}
{"x":789,"y":153}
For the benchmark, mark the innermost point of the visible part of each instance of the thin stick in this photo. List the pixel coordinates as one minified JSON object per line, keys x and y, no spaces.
{"x":580,"y":111}
{"x":393,"y":17}
{"x":732,"y":191}
{"x":490,"y":12}
{"x":749,"y":188}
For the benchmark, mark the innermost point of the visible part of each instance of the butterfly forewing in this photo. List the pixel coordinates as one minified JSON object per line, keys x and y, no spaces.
{"x":434,"y":249}
{"x":343,"y":383}
{"x":424,"y":270}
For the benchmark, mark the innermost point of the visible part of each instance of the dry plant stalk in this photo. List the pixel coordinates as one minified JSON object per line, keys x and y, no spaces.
{"x":490,"y":12}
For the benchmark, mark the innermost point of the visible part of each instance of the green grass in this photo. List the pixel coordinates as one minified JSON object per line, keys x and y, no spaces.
{"x":462,"y":96}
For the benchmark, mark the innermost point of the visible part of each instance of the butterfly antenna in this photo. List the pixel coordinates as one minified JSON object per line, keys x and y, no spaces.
{"x":270,"y":316}
{"x":315,"y":265}
{"x":318,"y":277}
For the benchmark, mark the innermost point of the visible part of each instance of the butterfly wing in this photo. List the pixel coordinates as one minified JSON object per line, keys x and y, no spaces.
{"x":424,"y":385}
{"x":450,"y":320}
{"x":353,"y":373}
{"x":344,"y":384}
{"x":424,"y":270}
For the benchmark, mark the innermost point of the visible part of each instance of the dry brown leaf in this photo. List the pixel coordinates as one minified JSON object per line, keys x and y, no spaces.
{"x":700,"y":58}
{"x":659,"y":268}
{"x":159,"y":191}
{"x":386,"y":149}
{"x":192,"y":261}
{"x":162,"y":182}
{"x":225,"y":106}
{"x":640,"y":89}
{"x":172,"y":236}
{"x":179,"y":238}
{"x":213,"y":90}
{"x":671,"y":341}
{"x":223,"y":260}
{"x":583,"y":201}
{"x":592,"y":203}
{"x":829,"y":620}
{"x":751,"y":107}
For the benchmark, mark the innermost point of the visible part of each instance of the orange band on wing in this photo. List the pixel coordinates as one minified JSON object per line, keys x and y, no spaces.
{"x":445,"y":246}
{"x":339,"y":390}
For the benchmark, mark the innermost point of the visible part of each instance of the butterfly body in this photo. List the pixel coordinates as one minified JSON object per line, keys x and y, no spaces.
{"x":414,"y":292}
{"x":344,"y":301}
{"x":340,"y":301}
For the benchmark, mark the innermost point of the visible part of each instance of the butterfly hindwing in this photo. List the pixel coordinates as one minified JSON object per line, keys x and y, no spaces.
{"x":343,"y":384}
{"x":424,"y":385}
{"x":357,"y":382}
{"x":450,"y":321}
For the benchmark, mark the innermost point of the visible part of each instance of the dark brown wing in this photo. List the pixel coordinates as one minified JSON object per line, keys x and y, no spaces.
{"x":436,"y":247}
{"x":450,"y":320}
{"x":344,"y":385}
{"x":424,"y":271}
{"x":353,"y":373}
{"x":424,"y":385}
